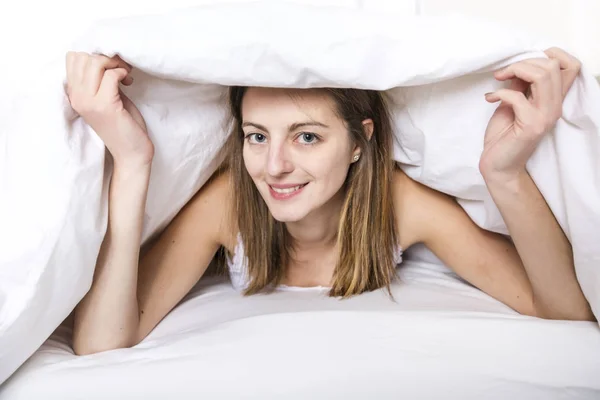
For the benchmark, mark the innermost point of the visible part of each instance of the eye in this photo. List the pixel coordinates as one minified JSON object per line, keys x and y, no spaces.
{"x":256,"y":138}
{"x":308,"y":138}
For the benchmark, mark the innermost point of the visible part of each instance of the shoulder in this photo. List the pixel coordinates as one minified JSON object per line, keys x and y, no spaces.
{"x":408,"y":191}
{"x":216,"y":189}
{"x":212,"y":206}
{"x":419,"y":209}
{"x":404,"y":192}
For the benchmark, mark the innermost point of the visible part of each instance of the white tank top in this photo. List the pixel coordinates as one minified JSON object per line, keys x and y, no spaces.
{"x":238,"y":267}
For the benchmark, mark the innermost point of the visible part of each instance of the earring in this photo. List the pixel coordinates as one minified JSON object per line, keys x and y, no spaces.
{"x":356,"y":157}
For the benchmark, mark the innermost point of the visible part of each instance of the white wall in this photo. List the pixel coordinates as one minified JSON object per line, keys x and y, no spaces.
{"x":32,"y":31}
{"x":572,"y":24}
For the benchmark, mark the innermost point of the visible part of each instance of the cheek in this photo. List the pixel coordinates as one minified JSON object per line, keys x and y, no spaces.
{"x":331,"y":168}
{"x":252,"y":163}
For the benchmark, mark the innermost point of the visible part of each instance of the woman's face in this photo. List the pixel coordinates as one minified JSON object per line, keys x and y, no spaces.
{"x":296,"y":149}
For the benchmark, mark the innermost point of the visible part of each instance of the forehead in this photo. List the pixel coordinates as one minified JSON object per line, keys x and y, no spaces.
{"x":263,"y":104}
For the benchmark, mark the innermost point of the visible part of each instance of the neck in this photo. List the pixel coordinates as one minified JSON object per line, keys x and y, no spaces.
{"x":313,"y":245}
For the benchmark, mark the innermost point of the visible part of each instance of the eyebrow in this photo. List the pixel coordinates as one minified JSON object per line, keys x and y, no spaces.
{"x":292,"y":127}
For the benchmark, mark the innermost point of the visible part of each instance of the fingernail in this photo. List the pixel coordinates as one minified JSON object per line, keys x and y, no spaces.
{"x":491,"y":97}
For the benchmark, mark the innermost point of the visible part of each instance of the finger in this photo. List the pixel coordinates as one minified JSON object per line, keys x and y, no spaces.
{"x":110,"y":82}
{"x":97,"y":66}
{"x":127,"y":81}
{"x":519,"y":85}
{"x":70,"y":65}
{"x":553,"y":67}
{"x":543,"y":90}
{"x":125,"y":64}
{"x":521,"y":106}
{"x":116,"y":62}
{"x":79,"y":67}
{"x":570,"y":67}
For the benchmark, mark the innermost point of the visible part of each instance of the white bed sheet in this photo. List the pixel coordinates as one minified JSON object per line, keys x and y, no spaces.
{"x":441,"y":338}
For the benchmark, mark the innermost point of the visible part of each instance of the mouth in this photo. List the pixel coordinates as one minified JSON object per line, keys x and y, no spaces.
{"x":286,"y":193}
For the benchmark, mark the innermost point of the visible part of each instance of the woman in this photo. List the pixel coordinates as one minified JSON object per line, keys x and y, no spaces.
{"x":311,"y":197}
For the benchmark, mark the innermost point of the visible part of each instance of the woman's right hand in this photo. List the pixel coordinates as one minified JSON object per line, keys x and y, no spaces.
{"x":93,"y":90}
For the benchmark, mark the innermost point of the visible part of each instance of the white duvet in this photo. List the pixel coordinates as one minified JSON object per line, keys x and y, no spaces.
{"x":53,"y":175}
{"x":439,"y":339}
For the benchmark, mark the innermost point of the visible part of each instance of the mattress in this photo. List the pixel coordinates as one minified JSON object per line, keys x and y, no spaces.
{"x":434,"y":337}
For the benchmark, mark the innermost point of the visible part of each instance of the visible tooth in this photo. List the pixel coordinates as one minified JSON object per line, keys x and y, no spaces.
{"x":288,"y":190}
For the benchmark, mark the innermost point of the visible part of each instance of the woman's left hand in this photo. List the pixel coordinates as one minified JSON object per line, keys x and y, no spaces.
{"x":528,"y":110}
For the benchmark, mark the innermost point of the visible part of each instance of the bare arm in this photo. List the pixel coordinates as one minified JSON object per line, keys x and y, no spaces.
{"x":535,"y":275}
{"x":107,"y":317}
{"x":126,"y":302}
{"x":544,"y":249}
{"x":485,"y":259}
{"x":180,"y":257}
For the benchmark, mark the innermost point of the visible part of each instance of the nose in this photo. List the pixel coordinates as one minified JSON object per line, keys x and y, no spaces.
{"x":278,"y":162}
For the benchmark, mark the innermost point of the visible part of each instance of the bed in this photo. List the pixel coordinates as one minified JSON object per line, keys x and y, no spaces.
{"x":438,"y":337}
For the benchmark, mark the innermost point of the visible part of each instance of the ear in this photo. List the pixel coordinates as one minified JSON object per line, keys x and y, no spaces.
{"x":368,"y":127}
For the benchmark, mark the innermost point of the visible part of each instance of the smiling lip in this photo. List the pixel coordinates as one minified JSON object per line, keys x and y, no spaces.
{"x":284,"y":192}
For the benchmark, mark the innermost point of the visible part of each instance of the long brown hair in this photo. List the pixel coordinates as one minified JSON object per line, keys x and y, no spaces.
{"x":366,"y":236}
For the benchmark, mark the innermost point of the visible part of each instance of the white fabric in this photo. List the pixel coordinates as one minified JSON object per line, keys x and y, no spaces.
{"x":53,"y":178}
{"x":440,"y":339}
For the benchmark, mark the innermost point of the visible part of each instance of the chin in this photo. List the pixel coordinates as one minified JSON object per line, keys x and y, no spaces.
{"x":287,"y":215}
